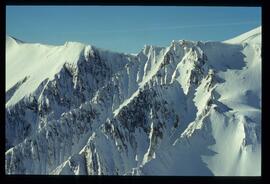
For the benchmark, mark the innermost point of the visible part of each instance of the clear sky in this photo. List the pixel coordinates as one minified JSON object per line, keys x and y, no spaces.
{"x":128,"y":28}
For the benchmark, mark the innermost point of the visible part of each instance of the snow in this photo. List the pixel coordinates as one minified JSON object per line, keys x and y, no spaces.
{"x":126,"y":102}
{"x":153,"y":63}
{"x":231,"y":152}
{"x":253,"y":36}
{"x":193,"y":108}
{"x":38,"y":62}
{"x":245,"y":101}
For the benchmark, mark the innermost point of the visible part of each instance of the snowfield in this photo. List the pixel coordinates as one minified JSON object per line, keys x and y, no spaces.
{"x":190,"y":109}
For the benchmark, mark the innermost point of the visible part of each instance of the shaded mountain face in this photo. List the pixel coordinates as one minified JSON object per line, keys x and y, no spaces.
{"x":193,"y":108}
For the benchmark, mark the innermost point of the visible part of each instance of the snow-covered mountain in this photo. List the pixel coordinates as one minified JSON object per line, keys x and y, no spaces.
{"x":193,"y":108}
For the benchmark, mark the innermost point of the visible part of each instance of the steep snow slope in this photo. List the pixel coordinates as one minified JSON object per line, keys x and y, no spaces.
{"x":193,"y":108}
{"x":252,"y":36}
{"x":38,"y":62}
{"x":245,"y":102}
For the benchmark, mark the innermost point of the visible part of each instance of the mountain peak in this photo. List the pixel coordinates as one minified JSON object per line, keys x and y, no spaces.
{"x":72,"y":43}
{"x":77,"y":109}
{"x":253,"y":36}
{"x":12,"y":40}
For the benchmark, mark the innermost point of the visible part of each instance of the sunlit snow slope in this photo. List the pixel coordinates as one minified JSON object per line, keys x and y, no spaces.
{"x":192,"y":108}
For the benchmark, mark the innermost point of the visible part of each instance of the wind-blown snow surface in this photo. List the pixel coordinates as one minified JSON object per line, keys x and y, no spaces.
{"x":193,"y":108}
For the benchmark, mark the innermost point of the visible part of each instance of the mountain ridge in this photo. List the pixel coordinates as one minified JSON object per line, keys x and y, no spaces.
{"x":99,"y":112}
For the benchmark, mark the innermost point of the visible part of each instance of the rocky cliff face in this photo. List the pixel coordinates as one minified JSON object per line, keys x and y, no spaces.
{"x":192,"y":108}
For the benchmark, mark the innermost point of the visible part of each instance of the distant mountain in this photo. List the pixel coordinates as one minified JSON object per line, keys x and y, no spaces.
{"x":193,"y":108}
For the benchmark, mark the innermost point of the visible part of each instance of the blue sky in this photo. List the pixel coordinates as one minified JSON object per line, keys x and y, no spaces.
{"x":128,"y":28}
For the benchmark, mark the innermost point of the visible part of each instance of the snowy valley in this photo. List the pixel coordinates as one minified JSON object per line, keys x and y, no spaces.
{"x":190,"y":109}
